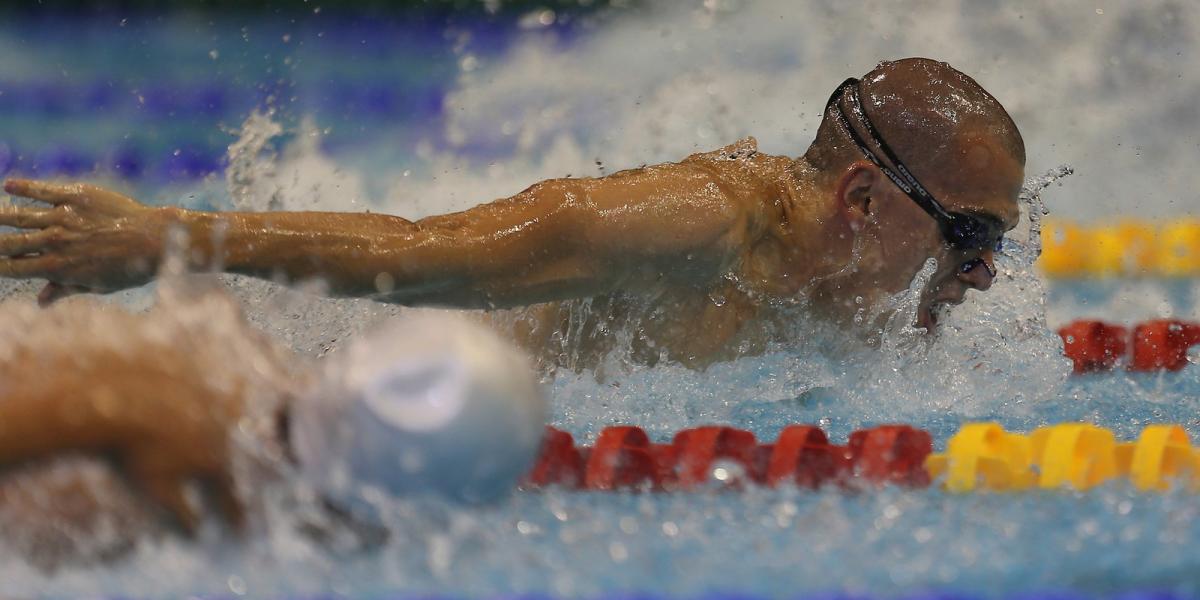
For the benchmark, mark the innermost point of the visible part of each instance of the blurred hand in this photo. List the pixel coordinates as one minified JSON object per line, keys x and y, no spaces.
{"x":148,"y":405}
{"x":87,"y":239}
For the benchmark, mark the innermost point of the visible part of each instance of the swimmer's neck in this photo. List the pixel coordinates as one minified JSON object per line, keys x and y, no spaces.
{"x":806,"y":239}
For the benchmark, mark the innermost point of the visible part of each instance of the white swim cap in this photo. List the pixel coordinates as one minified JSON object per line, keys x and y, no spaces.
{"x":428,"y":404}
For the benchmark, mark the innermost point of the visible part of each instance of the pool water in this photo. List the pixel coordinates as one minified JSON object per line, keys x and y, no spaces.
{"x":424,"y":115}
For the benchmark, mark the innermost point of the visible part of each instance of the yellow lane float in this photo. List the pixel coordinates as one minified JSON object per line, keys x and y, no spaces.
{"x":1128,"y":247}
{"x":1161,"y":456}
{"x":1074,"y":455}
{"x":1079,"y":456}
{"x":983,"y":455}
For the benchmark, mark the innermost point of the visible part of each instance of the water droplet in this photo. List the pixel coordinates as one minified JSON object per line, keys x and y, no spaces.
{"x":237,"y":585}
{"x":629,"y":525}
{"x":670,"y":529}
{"x":618,"y":552}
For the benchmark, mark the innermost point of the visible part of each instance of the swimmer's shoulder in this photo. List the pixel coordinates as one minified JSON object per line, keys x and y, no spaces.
{"x":742,"y":167}
{"x":741,"y":151}
{"x":735,"y":183}
{"x":750,"y":177}
{"x":742,"y":154}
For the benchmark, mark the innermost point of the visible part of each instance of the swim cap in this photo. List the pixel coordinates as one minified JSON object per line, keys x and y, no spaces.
{"x":427,"y":404}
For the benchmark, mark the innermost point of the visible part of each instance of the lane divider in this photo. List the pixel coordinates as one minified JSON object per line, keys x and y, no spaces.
{"x":1128,"y":247}
{"x":979,"y":457}
{"x":1079,"y":456}
{"x":1151,"y":346}
{"x":624,"y":458}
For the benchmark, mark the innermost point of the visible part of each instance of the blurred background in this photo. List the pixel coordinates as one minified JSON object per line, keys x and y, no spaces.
{"x":423,"y":107}
{"x":417,"y":108}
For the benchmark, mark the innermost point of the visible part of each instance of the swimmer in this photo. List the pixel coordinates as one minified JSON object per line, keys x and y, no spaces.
{"x":914,"y":161}
{"x":106,"y":415}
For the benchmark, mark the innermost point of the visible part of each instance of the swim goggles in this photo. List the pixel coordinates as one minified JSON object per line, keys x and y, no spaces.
{"x":961,"y":231}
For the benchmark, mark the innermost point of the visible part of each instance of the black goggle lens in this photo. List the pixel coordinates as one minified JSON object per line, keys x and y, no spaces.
{"x":964,"y":232}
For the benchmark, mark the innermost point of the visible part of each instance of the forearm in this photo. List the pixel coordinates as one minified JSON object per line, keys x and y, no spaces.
{"x":438,"y":261}
{"x":343,"y":249}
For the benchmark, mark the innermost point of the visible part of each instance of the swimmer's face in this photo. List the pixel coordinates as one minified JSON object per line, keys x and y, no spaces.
{"x":898,"y":237}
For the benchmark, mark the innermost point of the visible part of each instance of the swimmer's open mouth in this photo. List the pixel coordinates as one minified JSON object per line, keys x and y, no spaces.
{"x":928,"y":316}
{"x":926,"y":319}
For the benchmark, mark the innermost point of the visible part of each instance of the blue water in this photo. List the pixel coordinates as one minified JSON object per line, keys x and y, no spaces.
{"x":151,"y":103}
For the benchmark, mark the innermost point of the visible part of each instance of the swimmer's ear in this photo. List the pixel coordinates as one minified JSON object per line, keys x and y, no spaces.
{"x":852,"y":194}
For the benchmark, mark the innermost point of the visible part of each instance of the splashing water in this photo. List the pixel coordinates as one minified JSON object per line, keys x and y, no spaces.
{"x":968,"y":371}
{"x":993,"y":358}
{"x":248,"y":164}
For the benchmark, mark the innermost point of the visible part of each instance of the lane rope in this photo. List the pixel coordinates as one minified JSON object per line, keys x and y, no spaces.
{"x":979,"y":457}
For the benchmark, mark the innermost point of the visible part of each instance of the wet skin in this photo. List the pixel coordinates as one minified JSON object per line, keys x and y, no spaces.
{"x":900,"y":236}
{"x":694,"y":253}
{"x":686,"y":254}
{"x":699,"y":259}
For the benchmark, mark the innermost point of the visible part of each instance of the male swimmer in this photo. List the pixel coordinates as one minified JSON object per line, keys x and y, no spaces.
{"x":912,"y":162}
{"x":426,"y":405}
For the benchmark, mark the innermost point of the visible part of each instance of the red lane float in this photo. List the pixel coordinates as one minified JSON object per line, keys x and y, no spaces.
{"x":559,"y":462}
{"x":697,"y":452}
{"x":891,"y":454}
{"x":623,"y":458}
{"x":803,"y":456}
{"x":1151,"y":346}
{"x":1093,"y":345}
{"x":1163,"y":345}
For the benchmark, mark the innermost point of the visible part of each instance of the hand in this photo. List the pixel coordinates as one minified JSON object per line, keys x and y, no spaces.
{"x":88,"y":240}
{"x":149,"y":402}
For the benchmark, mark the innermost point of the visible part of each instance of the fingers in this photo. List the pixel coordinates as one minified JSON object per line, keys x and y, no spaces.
{"x":225,"y":495}
{"x":53,"y":292}
{"x":16,"y":244}
{"x":27,"y":267}
{"x":43,"y":191}
{"x":28,"y":218}
{"x":169,"y":494}
{"x":164,"y":474}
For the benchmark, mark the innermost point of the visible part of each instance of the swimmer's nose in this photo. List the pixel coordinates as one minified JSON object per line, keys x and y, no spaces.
{"x":979,"y":272}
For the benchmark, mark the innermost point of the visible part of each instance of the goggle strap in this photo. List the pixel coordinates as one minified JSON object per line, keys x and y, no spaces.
{"x":905,"y":180}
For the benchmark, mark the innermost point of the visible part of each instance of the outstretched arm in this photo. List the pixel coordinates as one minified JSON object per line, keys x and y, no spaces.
{"x":557,"y":239}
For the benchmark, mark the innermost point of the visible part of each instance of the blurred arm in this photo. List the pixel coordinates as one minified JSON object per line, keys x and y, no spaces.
{"x":142,"y":407}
